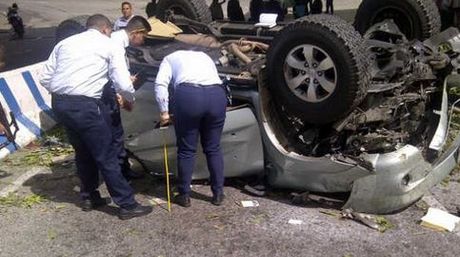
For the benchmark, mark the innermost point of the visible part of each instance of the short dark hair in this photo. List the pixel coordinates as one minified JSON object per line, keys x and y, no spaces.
{"x":128,"y":3}
{"x":98,"y":21}
{"x":138,"y":23}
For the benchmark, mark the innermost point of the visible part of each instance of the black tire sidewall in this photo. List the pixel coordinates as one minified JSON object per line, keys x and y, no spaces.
{"x":340,"y":101}
{"x":193,"y":9}
{"x":370,"y":9}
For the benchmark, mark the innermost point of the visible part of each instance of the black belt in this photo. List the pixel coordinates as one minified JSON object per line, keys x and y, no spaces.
{"x":73,"y":97}
{"x":199,"y":85}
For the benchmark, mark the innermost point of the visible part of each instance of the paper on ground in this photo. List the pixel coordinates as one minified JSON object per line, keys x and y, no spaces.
{"x":440,"y":220}
{"x":157,"y":201}
{"x":295,"y":222}
{"x":250,"y":203}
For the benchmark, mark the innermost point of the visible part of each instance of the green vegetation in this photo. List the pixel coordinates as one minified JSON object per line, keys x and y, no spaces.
{"x":383,"y":223}
{"x":21,"y":201}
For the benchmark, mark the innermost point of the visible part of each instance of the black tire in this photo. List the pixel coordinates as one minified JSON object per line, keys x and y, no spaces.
{"x":71,"y":27}
{"x":332,"y":40}
{"x":193,"y":9}
{"x":417,"y":19}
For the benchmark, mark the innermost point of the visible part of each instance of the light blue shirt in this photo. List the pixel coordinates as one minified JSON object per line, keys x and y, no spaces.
{"x":82,"y":64}
{"x":183,"y":66}
{"x":121,"y":22}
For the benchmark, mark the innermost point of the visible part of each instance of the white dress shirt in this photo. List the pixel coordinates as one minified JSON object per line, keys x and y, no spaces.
{"x":121,"y":39}
{"x":121,"y":22}
{"x":82,"y":64}
{"x":184,"y":66}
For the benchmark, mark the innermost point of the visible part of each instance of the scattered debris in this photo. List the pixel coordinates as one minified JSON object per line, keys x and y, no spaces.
{"x":249,"y":203}
{"x":19,"y":201}
{"x":212,"y":216}
{"x":157,"y":201}
{"x":439,"y":220}
{"x":375,"y":222}
{"x":219,"y":227}
{"x":258,"y":218}
{"x":333,"y":213}
{"x":307,"y":197}
{"x":295,"y":222}
{"x":257,"y":190}
{"x":422,"y":205}
{"x":52,"y":234}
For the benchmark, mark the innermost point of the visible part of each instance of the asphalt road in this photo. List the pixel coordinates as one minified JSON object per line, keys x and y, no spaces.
{"x":55,"y":226}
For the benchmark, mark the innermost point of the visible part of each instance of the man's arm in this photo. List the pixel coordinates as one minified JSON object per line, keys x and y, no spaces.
{"x":162,"y":82}
{"x":49,"y":68}
{"x":119,"y":74}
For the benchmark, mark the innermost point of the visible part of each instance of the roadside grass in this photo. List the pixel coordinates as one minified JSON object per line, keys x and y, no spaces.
{"x":42,"y":151}
{"x":15,"y":200}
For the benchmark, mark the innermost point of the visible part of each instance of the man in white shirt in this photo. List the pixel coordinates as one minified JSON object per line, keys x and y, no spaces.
{"x":132,"y":35}
{"x":127,"y":11}
{"x":199,"y":103}
{"x":75,"y":74}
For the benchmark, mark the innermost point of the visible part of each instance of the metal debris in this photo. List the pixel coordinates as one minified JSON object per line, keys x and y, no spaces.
{"x":378,"y":223}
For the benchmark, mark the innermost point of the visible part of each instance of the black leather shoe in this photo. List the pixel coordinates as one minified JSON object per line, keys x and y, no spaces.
{"x":137,"y":211}
{"x":130,"y":174}
{"x":183,"y":200}
{"x":218,"y":199}
{"x":90,"y":204}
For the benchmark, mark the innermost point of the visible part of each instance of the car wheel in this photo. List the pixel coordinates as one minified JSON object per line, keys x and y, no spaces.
{"x":318,"y":68}
{"x":417,"y":19}
{"x":193,"y":9}
{"x":70,"y":27}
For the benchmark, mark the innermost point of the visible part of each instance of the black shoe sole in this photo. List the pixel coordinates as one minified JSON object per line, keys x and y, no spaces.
{"x":134,"y":215}
{"x":91,"y":207}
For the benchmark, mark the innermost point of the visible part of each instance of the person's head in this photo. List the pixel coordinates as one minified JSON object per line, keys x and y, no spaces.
{"x":15,"y":5}
{"x":126,"y":9}
{"x":100,"y":23}
{"x":137,"y":28}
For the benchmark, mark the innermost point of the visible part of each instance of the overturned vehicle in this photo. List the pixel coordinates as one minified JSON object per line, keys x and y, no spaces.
{"x":316,"y":105}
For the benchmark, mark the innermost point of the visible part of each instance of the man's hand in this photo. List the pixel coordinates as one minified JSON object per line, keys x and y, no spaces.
{"x":125,"y":104}
{"x":165,"y":119}
{"x":137,"y":83}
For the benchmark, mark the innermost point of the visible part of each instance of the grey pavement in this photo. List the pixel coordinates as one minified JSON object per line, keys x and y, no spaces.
{"x":57,"y":227}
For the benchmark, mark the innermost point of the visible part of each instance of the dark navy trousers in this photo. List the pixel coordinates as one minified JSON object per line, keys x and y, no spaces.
{"x":109,"y":98}
{"x":199,"y":111}
{"x":87,"y":122}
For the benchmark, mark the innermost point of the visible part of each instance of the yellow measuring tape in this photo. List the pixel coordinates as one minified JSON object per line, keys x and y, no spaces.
{"x":165,"y":152}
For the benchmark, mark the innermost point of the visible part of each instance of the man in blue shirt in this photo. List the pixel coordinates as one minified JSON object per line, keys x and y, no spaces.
{"x":127,"y":11}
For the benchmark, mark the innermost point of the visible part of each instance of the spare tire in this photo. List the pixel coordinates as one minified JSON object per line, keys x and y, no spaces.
{"x":70,"y":27}
{"x":417,"y":19}
{"x":318,"y":68}
{"x":194,"y":9}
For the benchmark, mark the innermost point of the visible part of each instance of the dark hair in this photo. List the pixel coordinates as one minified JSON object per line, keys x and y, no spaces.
{"x":98,"y":21}
{"x":128,"y":3}
{"x":15,"y":5}
{"x":138,"y":23}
